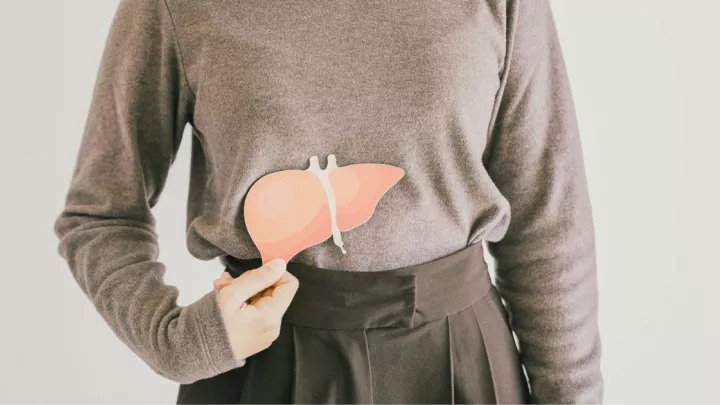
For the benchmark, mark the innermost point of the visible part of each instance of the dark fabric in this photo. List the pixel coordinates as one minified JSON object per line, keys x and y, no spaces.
{"x":431,"y":333}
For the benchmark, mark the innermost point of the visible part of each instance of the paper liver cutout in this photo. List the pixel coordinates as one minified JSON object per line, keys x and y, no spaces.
{"x":290,"y":210}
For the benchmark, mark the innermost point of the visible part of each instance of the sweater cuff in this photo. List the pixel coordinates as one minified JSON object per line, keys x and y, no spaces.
{"x":207,"y":316}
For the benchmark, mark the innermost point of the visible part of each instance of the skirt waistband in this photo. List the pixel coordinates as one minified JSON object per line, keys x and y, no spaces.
{"x":403,"y":297}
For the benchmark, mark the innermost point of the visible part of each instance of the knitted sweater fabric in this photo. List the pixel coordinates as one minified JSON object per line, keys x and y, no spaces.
{"x":470,"y":98}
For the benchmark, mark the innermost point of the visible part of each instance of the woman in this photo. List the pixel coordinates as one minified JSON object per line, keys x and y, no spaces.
{"x":471,"y":99}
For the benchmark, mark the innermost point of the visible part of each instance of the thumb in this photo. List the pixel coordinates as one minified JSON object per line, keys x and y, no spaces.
{"x":252,"y":282}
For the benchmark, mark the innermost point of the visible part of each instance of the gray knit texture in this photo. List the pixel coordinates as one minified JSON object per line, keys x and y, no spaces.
{"x":471,"y":98}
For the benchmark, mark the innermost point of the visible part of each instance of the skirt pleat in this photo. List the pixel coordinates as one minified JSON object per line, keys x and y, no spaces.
{"x":451,"y":356}
{"x":411,"y":365}
{"x":504,"y":363}
{"x":435,"y":333}
{"x":473,"y":381}
{"x":345,"y":375}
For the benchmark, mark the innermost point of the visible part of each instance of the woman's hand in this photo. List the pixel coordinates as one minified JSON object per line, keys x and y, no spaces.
{"x":226,"y":279}
{"x":253,"y":305}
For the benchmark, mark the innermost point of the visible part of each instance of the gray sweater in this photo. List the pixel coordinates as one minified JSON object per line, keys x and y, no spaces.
{"x":470,"y":98}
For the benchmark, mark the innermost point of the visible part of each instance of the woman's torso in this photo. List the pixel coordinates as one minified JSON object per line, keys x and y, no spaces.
{"x":406,"y":83}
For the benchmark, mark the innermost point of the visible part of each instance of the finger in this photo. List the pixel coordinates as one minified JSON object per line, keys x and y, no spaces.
{"x":282,"y":294}
{"x":218,"y":283}
{"x":258,"y":295}
{"x":260,"y":300}
{"x":262,"y":297}
{"x":224,"y":279}
{"x":253,"y":281}
{"x":262,"y":303}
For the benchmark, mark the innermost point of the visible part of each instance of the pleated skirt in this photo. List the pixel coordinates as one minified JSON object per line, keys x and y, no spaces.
{"x":432,"y":333}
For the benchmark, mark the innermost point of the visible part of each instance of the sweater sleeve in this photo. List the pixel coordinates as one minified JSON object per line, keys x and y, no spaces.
{"x":140,"y":105}
{"x":546,"y":260}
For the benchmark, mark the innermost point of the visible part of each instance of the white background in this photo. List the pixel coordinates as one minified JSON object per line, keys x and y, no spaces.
{"x":645,"y":75}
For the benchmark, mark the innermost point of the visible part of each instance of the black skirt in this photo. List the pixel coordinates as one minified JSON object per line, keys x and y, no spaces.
{"x":431,"y":333}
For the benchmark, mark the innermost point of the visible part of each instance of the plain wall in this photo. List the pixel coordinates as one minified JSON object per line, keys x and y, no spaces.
{"x":645,"y":80}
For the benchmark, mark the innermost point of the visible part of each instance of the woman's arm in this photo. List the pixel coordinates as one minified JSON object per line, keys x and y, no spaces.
{"x":139,"y":108}
{"x":546,"y":266}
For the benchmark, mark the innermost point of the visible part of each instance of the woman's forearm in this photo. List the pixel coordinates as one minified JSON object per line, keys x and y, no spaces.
{"x":106,"y":232}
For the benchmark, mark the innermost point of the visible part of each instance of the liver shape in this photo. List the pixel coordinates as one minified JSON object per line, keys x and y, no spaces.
{"x":291,"y":210}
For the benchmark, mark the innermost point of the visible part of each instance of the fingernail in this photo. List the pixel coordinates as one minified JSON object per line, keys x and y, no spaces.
{"x":278,"y":265}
